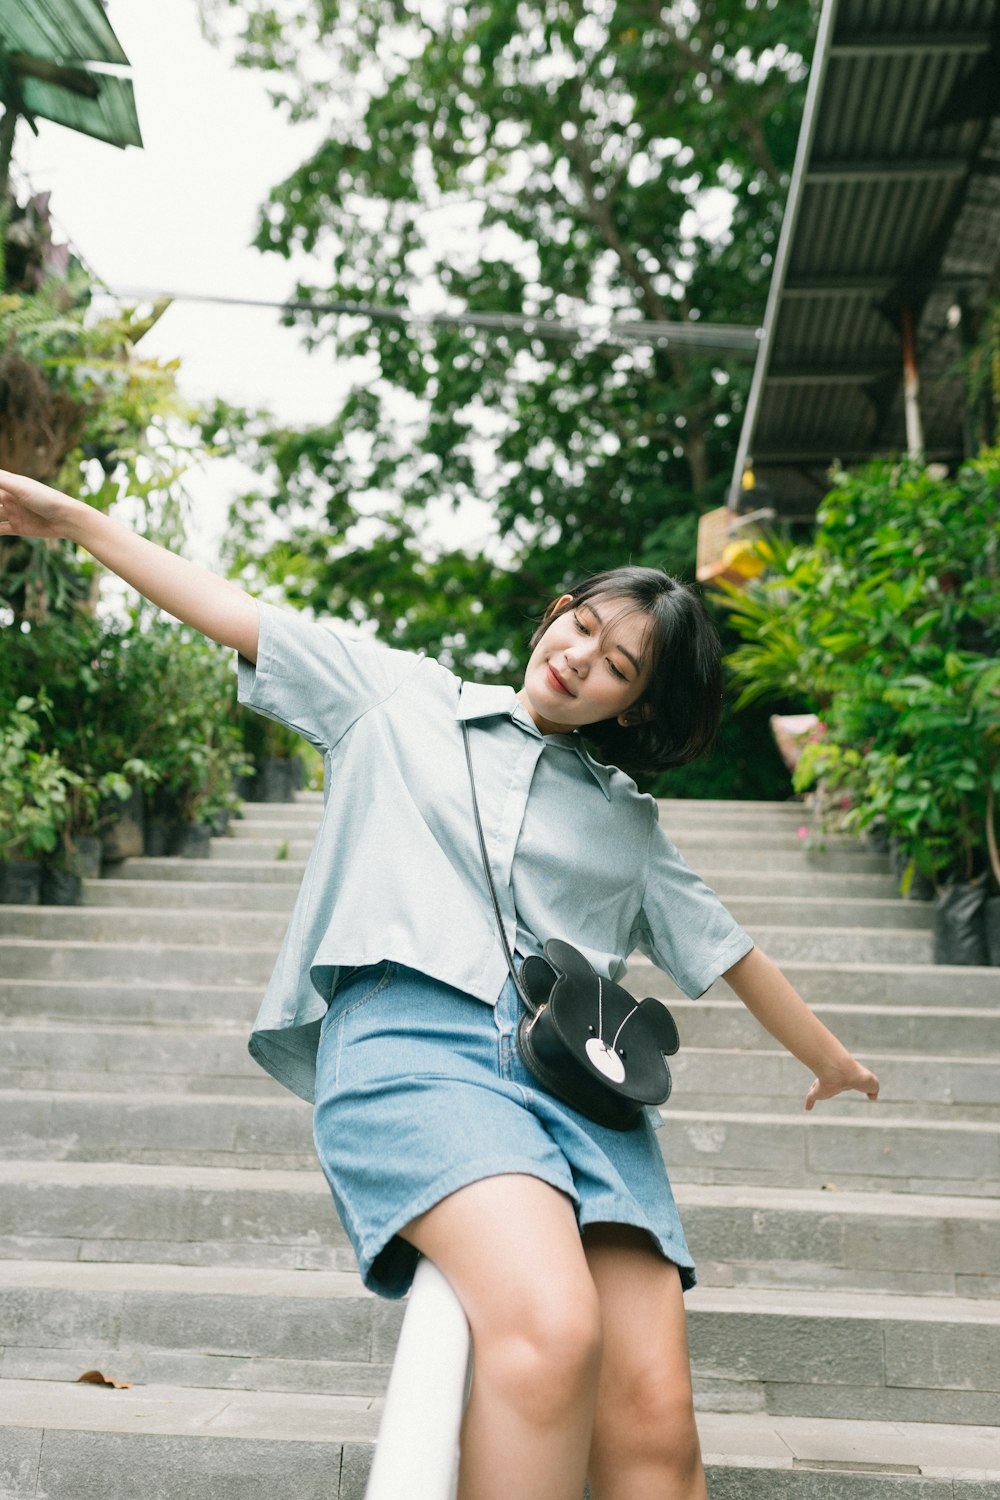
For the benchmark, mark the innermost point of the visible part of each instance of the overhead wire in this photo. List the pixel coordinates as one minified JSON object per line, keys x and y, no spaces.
{"x":627,"y":333}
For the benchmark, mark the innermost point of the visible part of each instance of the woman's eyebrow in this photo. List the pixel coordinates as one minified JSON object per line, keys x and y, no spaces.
{"x":617,"y":646}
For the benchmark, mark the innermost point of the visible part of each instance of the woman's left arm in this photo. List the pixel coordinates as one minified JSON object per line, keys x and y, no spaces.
{"x":778,"y":1006}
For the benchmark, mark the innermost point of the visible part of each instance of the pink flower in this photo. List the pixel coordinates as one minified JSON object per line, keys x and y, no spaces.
{"x":803,"y":832}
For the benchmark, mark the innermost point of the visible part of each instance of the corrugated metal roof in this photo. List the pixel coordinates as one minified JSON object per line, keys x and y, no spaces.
{"x":110,"y":116}
{"x":894,"y":203}
{"x":61,"y":30}
{"x":46,"y":48}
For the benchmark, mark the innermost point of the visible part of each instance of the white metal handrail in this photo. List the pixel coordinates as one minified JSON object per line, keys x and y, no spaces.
{"x":416,"y":1456}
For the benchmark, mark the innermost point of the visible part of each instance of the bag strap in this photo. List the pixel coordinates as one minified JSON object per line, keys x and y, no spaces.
{"x":489,"y":878}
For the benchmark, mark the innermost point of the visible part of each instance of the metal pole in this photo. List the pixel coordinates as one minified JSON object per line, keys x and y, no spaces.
{"x":8,"y":125}
{"x":911,"y":389}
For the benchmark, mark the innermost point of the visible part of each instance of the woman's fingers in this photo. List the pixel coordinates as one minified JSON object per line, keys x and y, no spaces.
{"x":858,"y":1078}
{"x":29,"y":508}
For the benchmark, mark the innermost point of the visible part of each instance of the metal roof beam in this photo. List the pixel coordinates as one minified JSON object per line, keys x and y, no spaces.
{"x":834,"y":453}
{"x":75,"y":79}
{"x":905,"y":44}
{"x":878,"y":171}
{"x":859,"y":372}
{"x":803,"y":287}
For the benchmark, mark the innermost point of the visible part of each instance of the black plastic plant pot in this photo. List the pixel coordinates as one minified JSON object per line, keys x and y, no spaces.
{"x":160,"y":836}
{"x":20,"y":882}
{"x":277,"y":779}
{"x":123,"y":835}
{"x":960,"y":924}
{"x":193,"y":841}
{"x":61,"y":888}
{"x":86,"y":857}
{"x":991,"y":916}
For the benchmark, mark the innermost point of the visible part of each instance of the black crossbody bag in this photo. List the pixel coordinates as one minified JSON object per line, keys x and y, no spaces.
{"x":585,"y":1039}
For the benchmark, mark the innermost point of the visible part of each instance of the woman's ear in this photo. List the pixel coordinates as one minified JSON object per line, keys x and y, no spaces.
{"x":555,"y":607}
{"x":639,"y":713}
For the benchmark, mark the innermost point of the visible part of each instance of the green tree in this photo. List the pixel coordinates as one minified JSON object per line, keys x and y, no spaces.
{"x":538,"y":159}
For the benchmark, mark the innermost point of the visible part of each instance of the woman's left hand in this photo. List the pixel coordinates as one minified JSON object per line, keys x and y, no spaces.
{"x":851,"y":1075}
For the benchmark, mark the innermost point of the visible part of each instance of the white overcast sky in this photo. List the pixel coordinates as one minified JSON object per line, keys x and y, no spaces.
{"x":180,"y":214}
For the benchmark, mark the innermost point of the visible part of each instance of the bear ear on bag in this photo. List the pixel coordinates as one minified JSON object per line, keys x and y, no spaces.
{"x":537,"y":979}
{"x":662,"y":1025}
{"x":567,"y":960}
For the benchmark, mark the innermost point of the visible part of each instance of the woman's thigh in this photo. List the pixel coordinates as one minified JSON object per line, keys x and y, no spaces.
{"x":510,"y":1246}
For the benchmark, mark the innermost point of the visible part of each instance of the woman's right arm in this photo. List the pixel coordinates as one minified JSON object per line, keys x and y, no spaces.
{"x":219,"y":609}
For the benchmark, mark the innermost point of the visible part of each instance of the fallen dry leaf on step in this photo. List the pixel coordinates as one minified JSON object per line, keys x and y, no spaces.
{"x":94,"y":1377}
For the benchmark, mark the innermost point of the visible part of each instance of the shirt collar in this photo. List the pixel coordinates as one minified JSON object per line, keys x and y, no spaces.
{"x":479,"y":700}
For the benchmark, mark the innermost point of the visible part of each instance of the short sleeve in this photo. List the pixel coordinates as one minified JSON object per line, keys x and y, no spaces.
{"x":682,"y":926}
{"x":315,"y":681}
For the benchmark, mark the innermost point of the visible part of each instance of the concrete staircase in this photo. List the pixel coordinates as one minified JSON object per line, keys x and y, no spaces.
{"x":162,"y":1218}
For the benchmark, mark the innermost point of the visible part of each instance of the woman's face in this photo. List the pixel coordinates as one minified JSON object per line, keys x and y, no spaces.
{"x":591,"y":664}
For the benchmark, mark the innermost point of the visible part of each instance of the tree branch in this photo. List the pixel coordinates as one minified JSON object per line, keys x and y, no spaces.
{"x":746,"y":124}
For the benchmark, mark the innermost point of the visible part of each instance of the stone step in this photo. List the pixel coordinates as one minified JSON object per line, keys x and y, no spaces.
{"x":755,"y":850}
{"x":131,"y":1059}
{"x":714,"y":864}
{"x":878,"y":1151}
{"x":863,"y":912}
{"x":301,"y":823}
{"x":125,"y":924}
{"x":130,"y":1002}
{"x":703,"y":813}
{"x":857,"y":983}
{"x":872,"y":990}
{"x":134,"y":1059}
{"x":200,"y":964}
{"x":789,"y":1351}
{"x":220,"y":947}
{"x":310,"y":803}
{"x":920,"y":1031}
{"x":799,"y":909}
{"x":71,"y":1442}
{"x":218,"y":868}
{"x":268,"y":896}
{"x":214,"y":1216}
{"x":920,"y":1088}
{"x":224,"y":1327}
{"x":186,"y":883}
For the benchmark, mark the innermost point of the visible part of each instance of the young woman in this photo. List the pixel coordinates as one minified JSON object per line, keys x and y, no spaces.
{"x":391,"y":1007}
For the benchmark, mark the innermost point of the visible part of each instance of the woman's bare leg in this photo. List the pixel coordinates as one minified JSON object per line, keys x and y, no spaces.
{"x":510,"y":1247}
{"x":645,"y":1442}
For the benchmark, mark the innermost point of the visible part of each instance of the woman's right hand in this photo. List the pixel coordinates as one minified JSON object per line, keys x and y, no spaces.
{"x":30,"y":508}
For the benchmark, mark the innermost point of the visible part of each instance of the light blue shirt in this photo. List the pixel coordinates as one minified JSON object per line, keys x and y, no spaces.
{"x":395,"y":871}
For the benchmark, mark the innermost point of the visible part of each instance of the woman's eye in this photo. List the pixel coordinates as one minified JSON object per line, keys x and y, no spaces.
{"x":581,"y":627}
{"x":620,"y":675}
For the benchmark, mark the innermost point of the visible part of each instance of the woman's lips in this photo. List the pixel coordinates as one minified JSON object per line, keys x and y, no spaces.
{"x":556,"y":681}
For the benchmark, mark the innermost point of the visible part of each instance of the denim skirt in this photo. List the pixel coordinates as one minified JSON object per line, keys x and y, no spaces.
{"x":420,"y":1091}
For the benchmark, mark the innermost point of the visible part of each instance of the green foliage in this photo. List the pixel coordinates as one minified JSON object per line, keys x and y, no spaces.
{"x":145,"y":702}
{"x":130,"y":702}
{"x":514,"y":159}
{"x":35,"y":786}
{"x":888,"y":623}
{"x":81,"y":409}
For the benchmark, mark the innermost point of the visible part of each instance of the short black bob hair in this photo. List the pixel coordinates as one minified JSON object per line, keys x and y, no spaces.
{"x":682,"y":704}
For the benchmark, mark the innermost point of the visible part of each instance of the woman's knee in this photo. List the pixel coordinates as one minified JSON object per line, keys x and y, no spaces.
{"x":653,"y":1419}
{"x":545,"y":1352}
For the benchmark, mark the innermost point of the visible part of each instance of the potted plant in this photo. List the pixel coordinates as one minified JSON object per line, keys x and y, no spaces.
{"x":35,"y":788}
{"x":276,"y":767}
{"x":886,"y":622}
